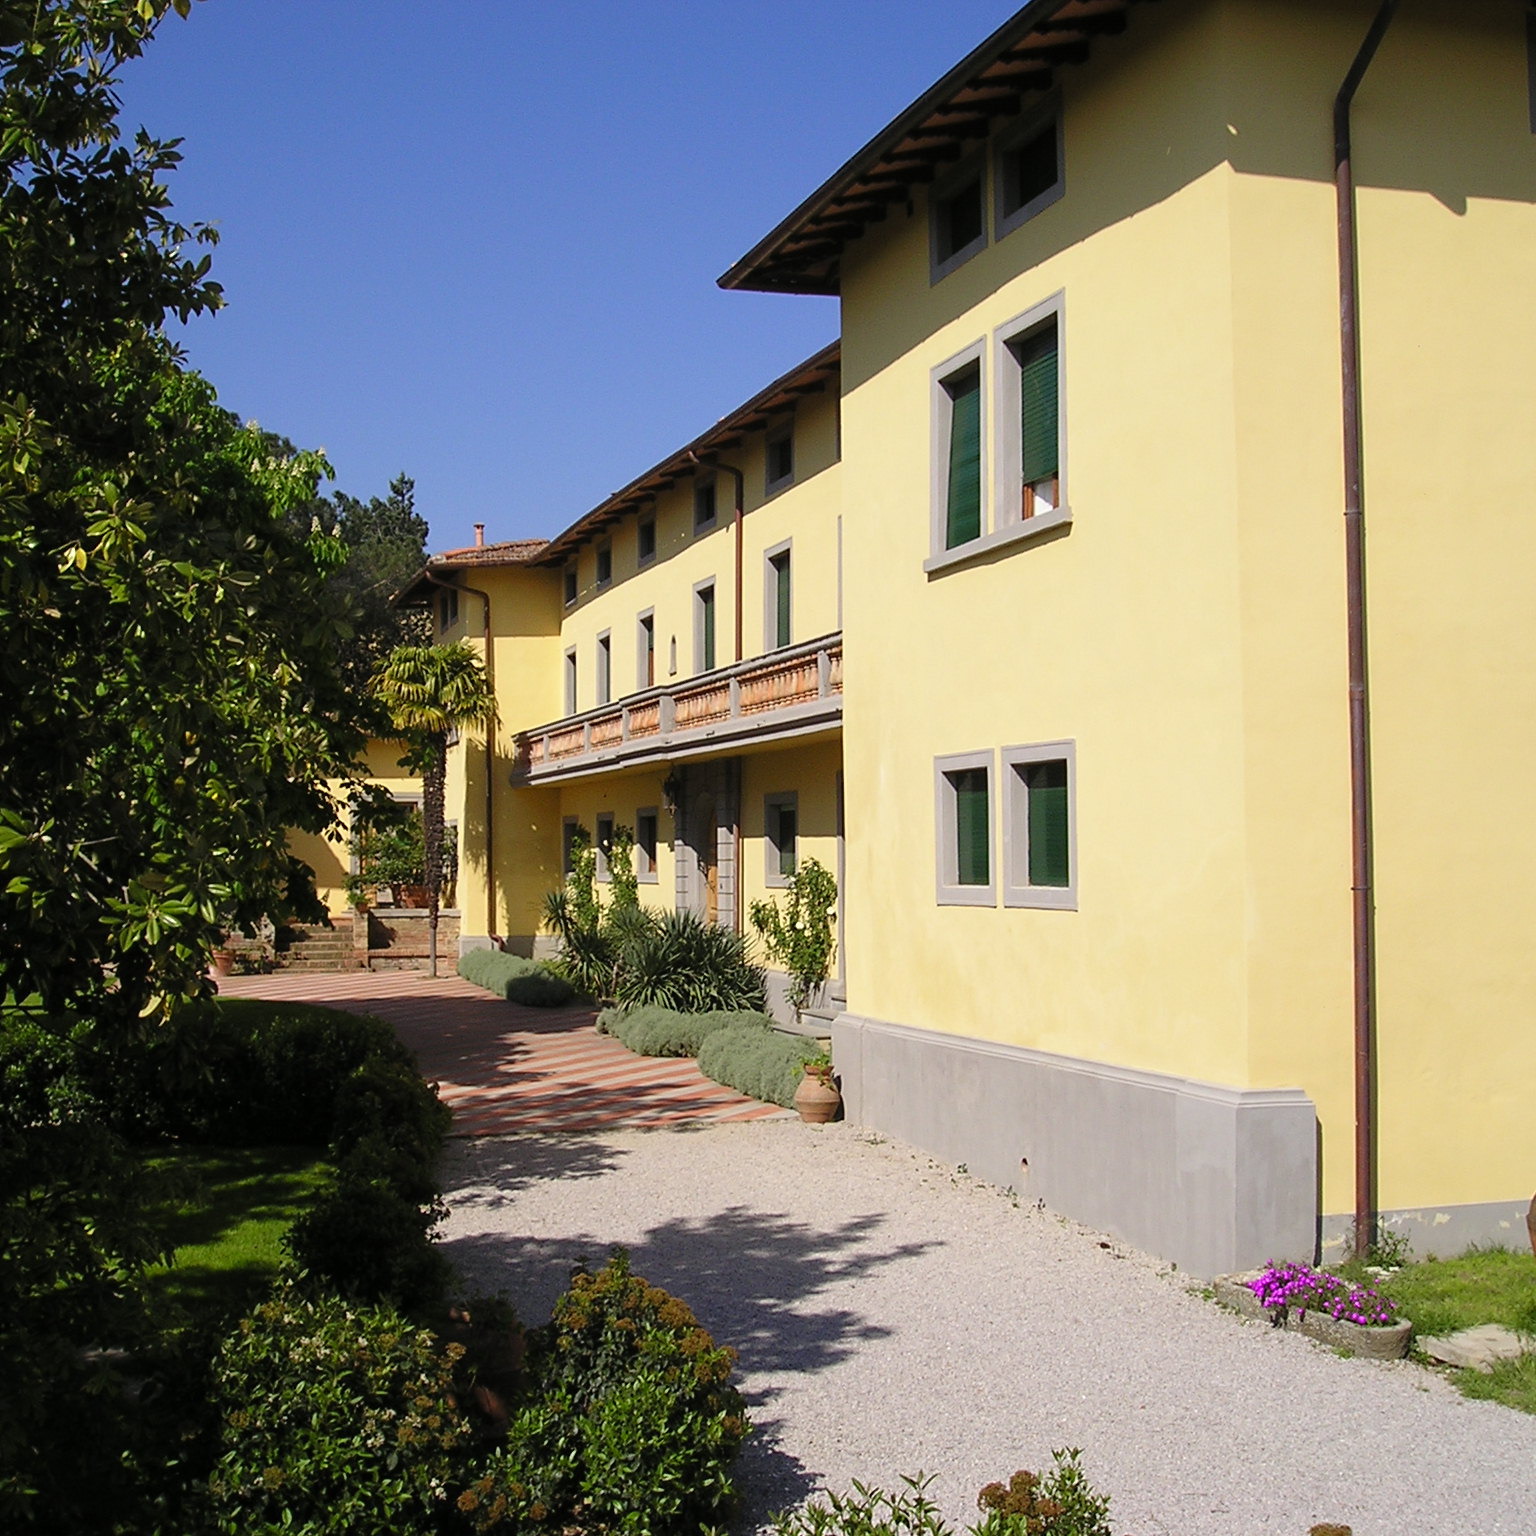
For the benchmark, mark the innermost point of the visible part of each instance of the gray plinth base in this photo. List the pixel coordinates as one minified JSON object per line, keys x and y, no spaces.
{"x":1216,"y":1179}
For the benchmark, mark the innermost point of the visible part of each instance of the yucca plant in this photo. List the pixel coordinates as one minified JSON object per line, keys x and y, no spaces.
{"x":680,"y":961}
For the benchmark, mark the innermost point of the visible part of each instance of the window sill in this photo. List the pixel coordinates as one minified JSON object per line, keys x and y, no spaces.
{"x":1053,"y":898}
{"x":999,"y":539}
{"x":967,"y":895}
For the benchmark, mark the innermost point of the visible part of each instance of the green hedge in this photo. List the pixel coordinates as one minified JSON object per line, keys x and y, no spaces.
{"x":516,"y":979}
{"x":665,"y":1032}
{"x":757,"y":1061}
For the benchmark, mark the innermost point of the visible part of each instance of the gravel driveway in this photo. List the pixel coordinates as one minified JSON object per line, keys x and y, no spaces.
{"x":893,"y":1317}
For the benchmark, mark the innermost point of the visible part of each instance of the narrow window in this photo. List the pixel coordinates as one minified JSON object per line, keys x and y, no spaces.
{"x":779,"y":459}
{"x":604,"y":843}
{"x":1040,"y":826}
{"x":781,"y":815}
{"x":605,"y":565}
{"x":604,"y":667}
{"x":568,"y":828}
{"x":777,"y":602}
{"x":447,"y":609}
{"x":704,"y":628}
{"x":570,"y":681}
{"x":645,"y":541}
{"x":962,"y":503}
{"x":1030,"y":171}
{"x":704,"y":505}
{"x":1039,"y":432}
{"x":570,"y":585}
{"x":964,"y":828}
{"x":646,"y":822}
{"x":959,"y":225}
{"x":646,"y":650}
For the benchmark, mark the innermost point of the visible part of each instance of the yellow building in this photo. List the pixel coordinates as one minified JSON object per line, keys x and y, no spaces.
{"x":1072,"y":491}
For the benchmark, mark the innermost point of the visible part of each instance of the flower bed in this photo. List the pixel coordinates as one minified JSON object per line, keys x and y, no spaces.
{"x":1320,"y":1305}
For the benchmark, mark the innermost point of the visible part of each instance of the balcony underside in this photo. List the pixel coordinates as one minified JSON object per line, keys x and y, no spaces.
{"x":793,"y":693}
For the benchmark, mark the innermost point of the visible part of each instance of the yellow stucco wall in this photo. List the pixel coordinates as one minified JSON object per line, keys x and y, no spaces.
{"x":1187,"y":631}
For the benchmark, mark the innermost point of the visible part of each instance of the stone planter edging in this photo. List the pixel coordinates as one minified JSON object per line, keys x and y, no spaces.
{"x":1389,"y":1343}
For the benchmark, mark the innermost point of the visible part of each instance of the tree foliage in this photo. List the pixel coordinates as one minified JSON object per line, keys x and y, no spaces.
{"x":171,"y":702}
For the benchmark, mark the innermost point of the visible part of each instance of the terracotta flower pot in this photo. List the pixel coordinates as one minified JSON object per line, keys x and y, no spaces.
{"x":223,"y":962}
{"x":816,"y":1099}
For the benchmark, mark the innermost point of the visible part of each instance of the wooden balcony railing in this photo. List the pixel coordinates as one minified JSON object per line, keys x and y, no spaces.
{"x":788,"y":691}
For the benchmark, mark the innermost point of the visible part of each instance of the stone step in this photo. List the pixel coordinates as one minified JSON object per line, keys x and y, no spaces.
{"x":348,"y":964}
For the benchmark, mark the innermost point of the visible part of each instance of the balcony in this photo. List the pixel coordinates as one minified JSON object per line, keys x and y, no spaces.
{"x":794,"y":692}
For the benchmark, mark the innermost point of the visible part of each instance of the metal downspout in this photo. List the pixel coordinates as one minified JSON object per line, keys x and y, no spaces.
{"x":1359,"y":718}
{"x":490,"y":749}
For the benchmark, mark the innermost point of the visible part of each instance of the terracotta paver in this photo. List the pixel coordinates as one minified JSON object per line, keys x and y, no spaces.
{"x":502,"y":1068}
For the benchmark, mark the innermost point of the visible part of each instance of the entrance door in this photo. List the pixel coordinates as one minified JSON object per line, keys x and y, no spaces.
{"x":709,"y":867}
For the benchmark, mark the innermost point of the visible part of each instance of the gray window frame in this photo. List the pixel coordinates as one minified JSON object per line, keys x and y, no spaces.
{"x":973,"y":168}
{"x":571,"y":583}
{"x":948,"y":892}
{"x":603,"y":668}
{"x":568,"y":825}
{"x":644,"y":617}
{"x":1017,"y":891}
{"x":788,"y":799}
{"x":1005,"y":457}
{"x":784,"y":432}
{"x":1030,"y":124}
{"x":602,"y":552}
{"x":641,"y":558}
{"x":645,"y":861}
{"x":785,"y":549}
{"x":941,"y":413}
{"x":572,"y":681}
{"x":604,"y":875}
{"x":699,"y":589}
{"x":706,"y":481}
{"x":447,"y":609}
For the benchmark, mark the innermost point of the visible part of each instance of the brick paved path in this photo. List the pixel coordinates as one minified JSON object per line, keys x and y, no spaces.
{"x":504,"y":1068}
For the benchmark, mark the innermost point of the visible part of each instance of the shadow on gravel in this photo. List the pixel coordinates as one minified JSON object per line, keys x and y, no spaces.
{"x":497,"y":1167}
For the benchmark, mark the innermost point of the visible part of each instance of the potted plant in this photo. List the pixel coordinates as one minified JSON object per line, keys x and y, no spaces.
{"x":817,"y":1099}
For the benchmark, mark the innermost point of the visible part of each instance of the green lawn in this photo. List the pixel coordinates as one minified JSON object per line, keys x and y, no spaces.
{"x":1483,"y":1285}
{"x":224,"y":1212}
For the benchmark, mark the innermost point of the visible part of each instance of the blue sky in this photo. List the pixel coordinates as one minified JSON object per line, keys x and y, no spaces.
{"x":477,"y":240}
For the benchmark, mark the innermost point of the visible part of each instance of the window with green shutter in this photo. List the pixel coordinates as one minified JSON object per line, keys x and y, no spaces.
{"x":1048,"y":847}
{"x":704,"y":635}
{"x":963,"y":486}
{"x":1039,"y":826}
{"x":1039,"y":454}
{"x":973,"y":862}
{"x":781,"y":590}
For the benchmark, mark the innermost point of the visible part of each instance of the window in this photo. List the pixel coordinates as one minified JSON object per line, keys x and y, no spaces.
{"x":645,"y":649}
{"x":776,"y":598}
{"x":957,"y":451}
{"x":1030,"y":440}
{"x":604,"y":667}
{"x":1031,"y":174}
{"x":570,"y":585}
{"x":704,"y":504}
{"x":645,"y":541}
{"x":605,"y":565}
{"x":781,"y":816}
{"x":447,"y":609}
{"x":779,"y":459}
{"x":570,"y":681}
{"x":646,"y":822}
{"x":957,"y":220}
{"x":963,"y":818}
{"x":1040,"y":825}
{"x":704,"y":627}
{"x":568,"y":829}
{"x":603,"y":843}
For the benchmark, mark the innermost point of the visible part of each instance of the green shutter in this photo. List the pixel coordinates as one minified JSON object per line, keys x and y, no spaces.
{"x":973,"y":863}
{"x":1049,"y":852}
{"x":786,"y":840}
{"x":963,"y":521}
{"x":781,"y":578}
{"x":707,"y":625}
{"x":1038,"y":453}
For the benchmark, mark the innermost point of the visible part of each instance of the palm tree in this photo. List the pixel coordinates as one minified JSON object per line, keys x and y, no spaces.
{"x":430,"y":690}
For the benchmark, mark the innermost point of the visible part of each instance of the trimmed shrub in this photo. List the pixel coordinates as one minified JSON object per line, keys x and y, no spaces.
{"x":757,"y":1061}
{"x":334,"y":1419}
{"x":516,"y":979}
{"x":665,"y":1032}
{"x":634,"y":1424}
{"x":679,"y":961}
